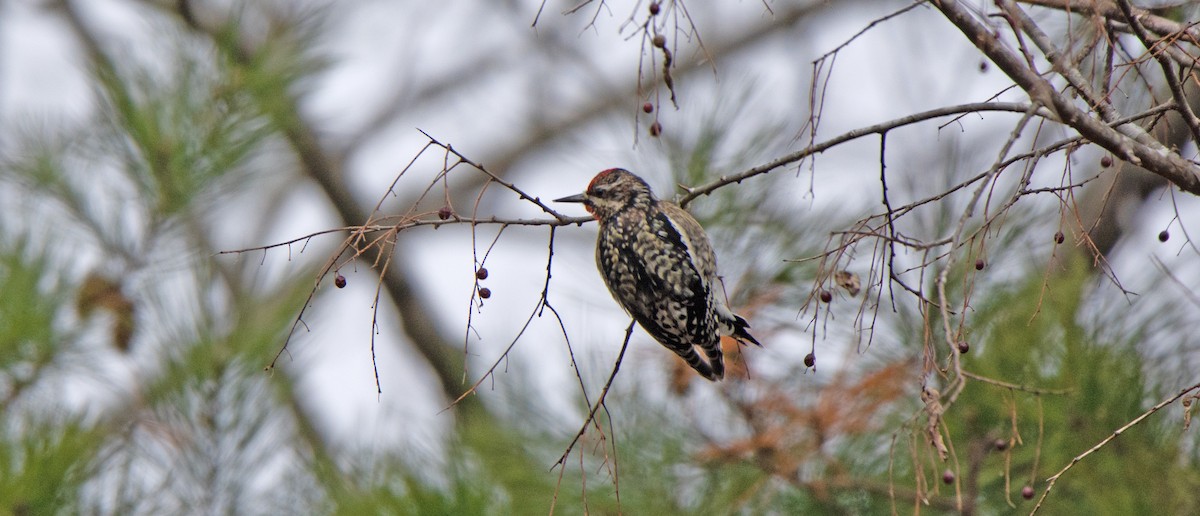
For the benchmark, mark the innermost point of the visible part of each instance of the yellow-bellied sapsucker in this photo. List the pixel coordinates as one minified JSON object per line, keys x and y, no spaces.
{"x":659,"y":265}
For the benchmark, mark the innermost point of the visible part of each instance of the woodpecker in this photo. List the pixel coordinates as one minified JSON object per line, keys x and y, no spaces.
{"x":659,"y":265}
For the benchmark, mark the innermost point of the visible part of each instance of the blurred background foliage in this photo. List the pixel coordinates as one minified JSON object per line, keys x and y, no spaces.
{"x":132,"y":352}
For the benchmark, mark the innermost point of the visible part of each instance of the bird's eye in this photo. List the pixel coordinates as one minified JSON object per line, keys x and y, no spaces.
{"x":601,"y":190}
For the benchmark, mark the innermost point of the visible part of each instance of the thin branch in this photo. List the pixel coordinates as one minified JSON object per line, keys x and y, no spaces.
{"x":1151,"y":155}
{"x":951,"y":336}
{"x":507,"y":184}
{"x":599,"y":401}
{"x":1181,"y":100}
{"x":538,"y":310}
{"x":1157,"y":24}
{"x":1014,"y":386}
{"x":281,"y":106}
{"x":1188,"y":292}
{"x":545,"y":132}
{"x":1061,"y":65}
{"x":1011,"y":107}
{"x":433,"y":222}
{"x":1116,"y":433}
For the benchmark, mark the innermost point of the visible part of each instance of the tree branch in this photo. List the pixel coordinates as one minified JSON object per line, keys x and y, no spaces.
{"x":881,"y":128}
{"x":1153,"y":156}
{"x":1156,"y":24}
{"x":1181,"y":101}
{"x":1116,"y":433}
{"x":281,"y":106}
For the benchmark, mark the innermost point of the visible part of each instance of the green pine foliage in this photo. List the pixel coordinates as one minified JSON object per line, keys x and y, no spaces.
{"x":45,"y":456}
{"x":1084,"y":383}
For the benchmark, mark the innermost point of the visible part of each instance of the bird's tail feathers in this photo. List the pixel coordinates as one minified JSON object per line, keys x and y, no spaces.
{"x":740,"y":327}
{"x":713,"y":370}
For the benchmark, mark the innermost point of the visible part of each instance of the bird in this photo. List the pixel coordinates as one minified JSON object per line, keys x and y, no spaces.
{"x":660,"y":267}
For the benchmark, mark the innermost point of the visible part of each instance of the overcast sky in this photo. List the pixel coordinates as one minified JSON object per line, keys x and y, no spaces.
{"x":377,"y":48}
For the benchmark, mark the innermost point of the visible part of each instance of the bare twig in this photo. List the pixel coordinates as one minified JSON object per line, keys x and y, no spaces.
{"x":1061,"y":65}
{"x":600,"y":400}
{"x":1116,"y":433}
{"x":952,"y":336}
{"x":1014,"y":386}
{"x":1157,"y":24}
{"x":880,"y":128}
{"x":1159,"y":54}
{"x":1151,"y":155}
{"x":538,"y":310}
{"x":1188,"y":292}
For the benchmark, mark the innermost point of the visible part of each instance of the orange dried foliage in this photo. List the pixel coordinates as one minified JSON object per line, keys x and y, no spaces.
{"x":787,"y":429}
{"x":850,"y":409}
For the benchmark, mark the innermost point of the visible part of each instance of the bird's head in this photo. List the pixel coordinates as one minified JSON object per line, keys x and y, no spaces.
{"x":611,"y":191}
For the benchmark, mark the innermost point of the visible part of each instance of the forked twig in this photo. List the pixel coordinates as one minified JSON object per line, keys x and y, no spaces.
{"x":600,"y":400}
{"x":538,"y":310}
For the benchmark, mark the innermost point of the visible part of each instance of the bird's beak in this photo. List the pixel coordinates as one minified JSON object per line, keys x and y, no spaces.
{"x":573,"y":198}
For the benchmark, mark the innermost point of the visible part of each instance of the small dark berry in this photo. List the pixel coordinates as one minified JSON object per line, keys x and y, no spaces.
{"x":963,"y":347}
{"x":810,"y":360}
{"x":654,"y":7}
{"x":655,"y":129}
{"x":1106,"y":161}
{"x":1058,"y":237}
{"x":983,"y":67}
{"x":1001,"y":444}
{"x":1163,"y":236}
{"x":826,"y":296}
{"x":481,"y":273}
{"x":1027,"y":492}
{"x":659,"y":40}
{"x":485,"y":293}
{"x":948,"y":477}
{"x":339,"y":281}
{"x":979,"y":264}
{"x":445,"y":212}
{"x":648,"y":107}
